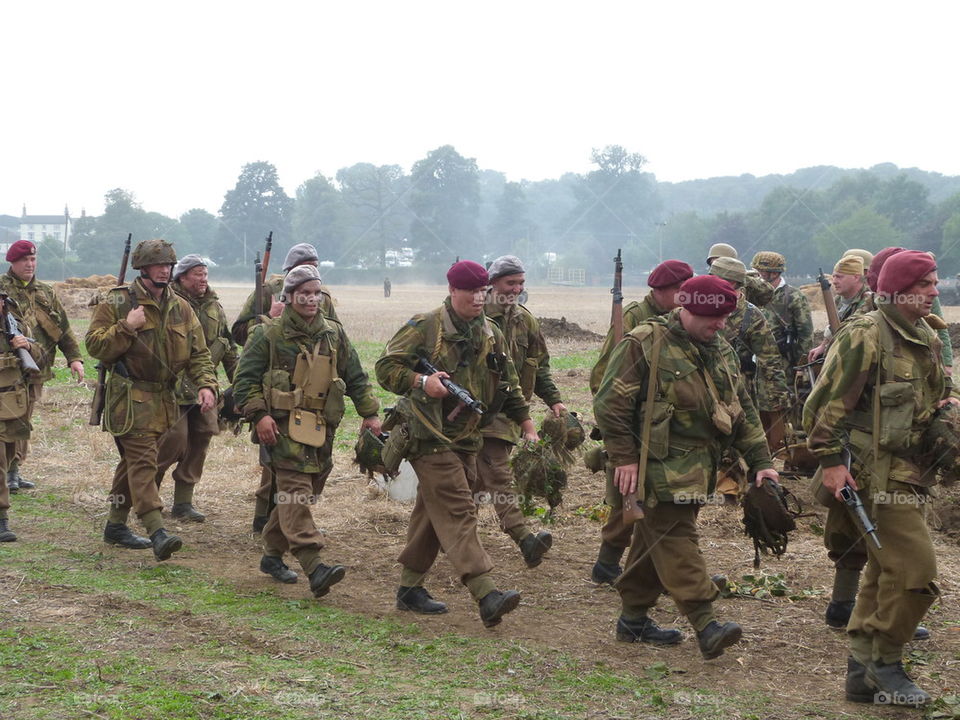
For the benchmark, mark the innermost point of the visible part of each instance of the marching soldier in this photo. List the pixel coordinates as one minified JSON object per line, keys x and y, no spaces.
{"x":291,"y":381}
{"x":187,"y":441}
{"x":876,"y":395}
{"x":148,"y":336}
{"x":36,"y":305}
{"x":528,"y":350}
{"x":701,"y":405}
{"x":852,"y":293}
{"x":664,"y":282}
{"x":445,"y":437}
{"x":300,"y":254}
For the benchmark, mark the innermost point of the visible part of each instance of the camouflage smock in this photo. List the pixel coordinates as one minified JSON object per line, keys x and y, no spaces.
{"x":216,"y":334}
{"x":633,"y":314}
{"x":841,"y":402}
{"x":272,"y":289}
{"x":460,"y":348}
{"x":528,"y":350}
{"x":16,"y":379}
{"x":690,"y":445}
{"x":748,"y":333}
{"x":169,"y":343}
{"x":789,"y":310}
{"x":289,"y":335}
{"x":38,"y":306}
{"x":859,"y":304}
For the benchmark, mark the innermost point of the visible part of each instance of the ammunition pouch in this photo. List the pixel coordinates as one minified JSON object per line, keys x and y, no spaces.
{"x":10,"y":371}
{"x":307,"y":428}
{"x":659,"y":441}
{"x":896,"y":416}
{"x":395,"y":449}
{"x":14,"y":402}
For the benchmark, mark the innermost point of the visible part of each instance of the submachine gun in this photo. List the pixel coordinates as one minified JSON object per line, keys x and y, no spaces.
{"x":463,"y":396}
{"x":11,"y":330}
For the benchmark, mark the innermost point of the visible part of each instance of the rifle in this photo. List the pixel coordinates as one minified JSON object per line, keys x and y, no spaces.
{"x":266,"y":257}
{"x":616,"y":309}
{"x":853,"y":501}
{"x":257,"y":288}
{"x":829,"y":303}
{"x":99,"y":390}
{"x":10,"y":329}
{"x":465,"y":399}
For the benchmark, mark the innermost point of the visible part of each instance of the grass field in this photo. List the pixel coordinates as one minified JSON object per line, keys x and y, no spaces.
{"x":92,"y":631}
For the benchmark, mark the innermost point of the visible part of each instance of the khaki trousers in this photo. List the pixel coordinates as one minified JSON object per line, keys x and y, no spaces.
{"x":186,"y":444}
{"x":8,"y":451}
{"x":135,"y":479}
{"x":290,"y":527}
{"x":445,"y":517}
{"x":666,"y":550}
{"x":23,"y":446}
{"x":495,"y":478}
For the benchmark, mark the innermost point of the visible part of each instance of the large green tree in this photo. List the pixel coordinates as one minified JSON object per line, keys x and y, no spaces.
{"x":255,"y":206}
{"x":512,"y":227}
{"x":318,"y":218}
{"x":200,"y":232}
{"x":444,"y":199}
{"x":865,"y":228}
{"x":376,"y":202}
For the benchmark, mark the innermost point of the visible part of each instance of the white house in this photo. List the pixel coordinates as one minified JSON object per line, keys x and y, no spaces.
{"x":37,"y":228}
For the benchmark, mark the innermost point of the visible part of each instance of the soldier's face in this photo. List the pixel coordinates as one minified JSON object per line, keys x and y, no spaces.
{"x":468,"y":304}
{"x":702,"y":328}
{"x":159,"y":275}
{"x":25,"y":268}
{"x":917,"y":300}
{"x":847,"y":286}
{"x":306,"y":299}
{"x":194,"y":281}
{"x":507,"y":288}
{"x":771,"y":277}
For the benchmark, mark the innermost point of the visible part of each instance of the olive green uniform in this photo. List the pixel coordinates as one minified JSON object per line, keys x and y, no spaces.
{"x":528,"y":350}
{"x":186,"y":443}
{"x":615,"y":535}
{"x":272,"y":289}
{"x":898,"y":585}
{"x":688,"y":436}
{"x":15,"y":405}
{"x":139,"y":409}
{"x":38,"y":307}
{"x":443,"y":451}
{"x":291,"y":365}
{"x":788,"y":315}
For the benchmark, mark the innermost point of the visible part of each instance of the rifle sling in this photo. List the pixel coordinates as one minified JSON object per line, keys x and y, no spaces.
{"x":652,"y":382}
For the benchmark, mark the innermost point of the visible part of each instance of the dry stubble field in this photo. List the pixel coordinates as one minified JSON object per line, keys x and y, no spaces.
{"x":788,"y":666}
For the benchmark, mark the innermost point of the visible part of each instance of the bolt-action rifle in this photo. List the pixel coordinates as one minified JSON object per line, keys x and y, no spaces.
{"x":99,"y":390}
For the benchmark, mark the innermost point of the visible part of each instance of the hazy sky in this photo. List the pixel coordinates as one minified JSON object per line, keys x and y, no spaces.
{"x":169,"y":100}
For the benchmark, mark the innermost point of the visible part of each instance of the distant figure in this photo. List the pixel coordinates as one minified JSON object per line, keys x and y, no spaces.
{"x":386,"y":287}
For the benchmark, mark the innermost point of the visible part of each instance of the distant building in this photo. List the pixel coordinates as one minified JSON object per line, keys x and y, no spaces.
{"x":37,"y":228}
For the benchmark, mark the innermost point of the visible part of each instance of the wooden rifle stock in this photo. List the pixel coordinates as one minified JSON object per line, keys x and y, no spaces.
{"x":616,"y":309}
{"x":829,"y":303}
{"x":100,"y":389}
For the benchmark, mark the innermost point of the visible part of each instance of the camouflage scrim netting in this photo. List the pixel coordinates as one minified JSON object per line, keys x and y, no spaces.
{"x":368,"y":453}
{"x":767,"y":518}
{"x":940,"y":444}
{"x":540,"y":468}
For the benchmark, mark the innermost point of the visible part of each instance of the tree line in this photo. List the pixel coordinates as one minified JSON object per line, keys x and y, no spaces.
{"x":447,"y":207}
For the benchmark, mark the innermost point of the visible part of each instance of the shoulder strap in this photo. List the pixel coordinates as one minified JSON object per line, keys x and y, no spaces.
{"x":653,"y":381}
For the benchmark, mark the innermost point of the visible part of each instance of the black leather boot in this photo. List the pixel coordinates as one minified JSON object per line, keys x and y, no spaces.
{"x":6,"y":534}
{"x":534,"y":547}
{"x":165,"y":544}
{"x":893,"y":686}
{"x":417,"y":599}
{"x":277,"y":568}
{"x":13,"y":482}
{"x":856,"y":687}
{"x":647,"y":631}
{"x":120,"y":534}
{"x":324,"y":576}
{"x":19,"y":480}
{"x":839,"y":612}
{"x":715,"y":638}
{"x":186,"y":511}
{"x":495,"y":604}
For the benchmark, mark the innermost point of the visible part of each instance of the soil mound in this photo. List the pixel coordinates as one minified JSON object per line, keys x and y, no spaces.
{"x":76,"y":293}
{"x":554,"y":328}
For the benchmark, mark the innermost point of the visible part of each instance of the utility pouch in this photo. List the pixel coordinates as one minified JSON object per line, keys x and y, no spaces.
{"x":334,"y":408}
{"x":395,"y":449}
{"x":421,"y":412}
{"x":896,"y":416}
{"x":13,"y":403}
{"x":307,"y":428}
{"x":10,"y":372}
{"x":528,"y":376}
{"x":659,"y":442}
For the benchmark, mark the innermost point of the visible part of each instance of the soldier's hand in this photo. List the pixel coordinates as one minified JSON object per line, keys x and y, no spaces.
{"x":372,"y":424}
{"x":20,"y":342}
{"x":815,"y":354}
{"x":76,"y":369}
{"x":834,"y":478}
{"x":207,"y":399}
{"x":769,"y":474}
{"x":136,"y":318}
{"x":267,"y":430}
{"x":948,"y":401}
{"x":558,"y":408}
{"x":276,"y":308}
{"x":529,"y":430}
{"x":434,"y":388}
{"x":625,"y":478}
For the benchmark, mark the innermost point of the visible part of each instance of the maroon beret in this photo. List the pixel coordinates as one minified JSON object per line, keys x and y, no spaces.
{"x":467,"y":275}
{"x":669,"y":272}
{"x":903,"y":269}
{"x":876,"y":266}
{"x":20,"y":249}
{"x":707,"y":295}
